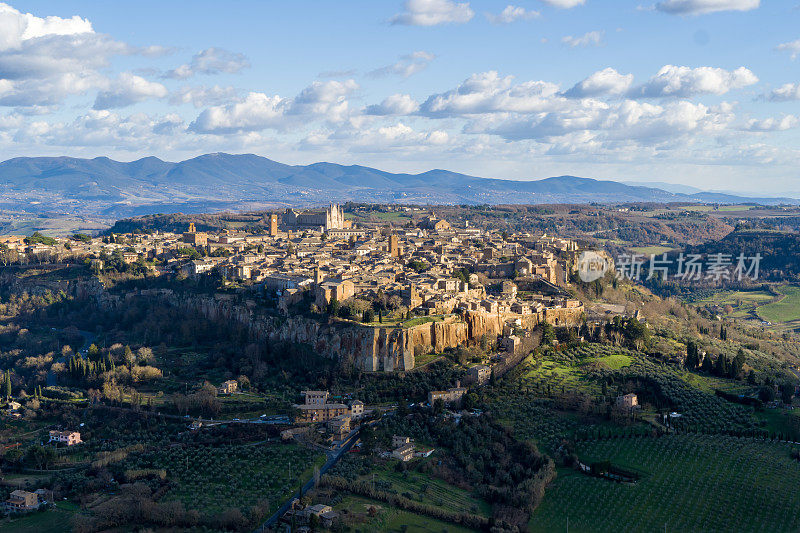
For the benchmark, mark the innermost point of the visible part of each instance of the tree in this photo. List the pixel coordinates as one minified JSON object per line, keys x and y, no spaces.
{"x":333,"y":306}
{"x":367,"y":435}
{"x":692,"y":360}
{"x":8,"y":385}
{"x":766,"y":394}
{"x":369,"y":316}
{"x":737,"y":366}
{"x":787,"y":392}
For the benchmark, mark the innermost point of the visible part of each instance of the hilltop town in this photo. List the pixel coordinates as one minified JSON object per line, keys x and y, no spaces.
{"x":343,"y":367}
{"x":317,"y":262}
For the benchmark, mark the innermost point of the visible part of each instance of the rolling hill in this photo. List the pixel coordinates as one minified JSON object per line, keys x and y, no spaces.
{"x":110,"y":189}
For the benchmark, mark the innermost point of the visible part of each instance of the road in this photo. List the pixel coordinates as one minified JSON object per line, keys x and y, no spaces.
{"x":333,"y":458}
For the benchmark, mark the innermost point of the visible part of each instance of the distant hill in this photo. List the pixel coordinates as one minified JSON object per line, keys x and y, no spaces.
{"x":106,"y":188}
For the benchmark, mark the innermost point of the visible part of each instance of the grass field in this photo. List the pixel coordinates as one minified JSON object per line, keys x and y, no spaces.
{"x":787,"y":309}
{"x":689,"y":483}
{"x":356,"y":511}
{"x":742,"y":302}
{"x":429,"y":490}
{"x":616,"y":361}
{"x":212,"y":479}
{"x":654,"y":250}
{"x":51,"y":521}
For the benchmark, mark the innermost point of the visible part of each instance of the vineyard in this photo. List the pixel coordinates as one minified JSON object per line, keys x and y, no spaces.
{"x":688,"y":483}
{"x":215,"y":478}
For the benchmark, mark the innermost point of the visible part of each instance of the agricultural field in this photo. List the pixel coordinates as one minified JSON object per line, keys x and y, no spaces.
{"x":365,"y":515}
{"x":50,"y":521}
{"x":215,"y":478}
{"x":652,"y":250}
{"x":786,"y":309}
{"x":426,"y":489}
{"x":688,"y":483}
{"x":744,"y":303}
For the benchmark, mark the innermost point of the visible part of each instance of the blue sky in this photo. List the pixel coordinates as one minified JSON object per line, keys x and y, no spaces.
{"x":697,"y":92}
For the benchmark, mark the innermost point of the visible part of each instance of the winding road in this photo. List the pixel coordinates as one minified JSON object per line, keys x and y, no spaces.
{"x":333,"y":458}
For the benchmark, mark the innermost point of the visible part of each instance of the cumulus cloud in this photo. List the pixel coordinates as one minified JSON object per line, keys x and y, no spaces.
{"x":396,"y":104}
{"x":783,"y":123}
{"x":702,"y":7}
{"x":512,"y":14}
{"x":210,"y":61}
{"x":640,"y":122}
{"x":433,"y":13}
{"x":17,"y":27}
{"x":203,"y":96}
{"x":406,"y":66}
{"x":128,"y":89}
{"x":105,"y":128}
{"x":257,"y":111}
{"x":564,"y":4}
{"x":606,"y":82}
{"x":785,"y":93}
{"x":45,"y":59}
{"x":488,"y":92}
{"x":592,"y":38}
{"x":684,"y":82}
{"x":793,"y":47}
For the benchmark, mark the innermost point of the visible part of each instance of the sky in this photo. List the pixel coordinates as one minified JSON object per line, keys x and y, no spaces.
{"x":703,"y":93}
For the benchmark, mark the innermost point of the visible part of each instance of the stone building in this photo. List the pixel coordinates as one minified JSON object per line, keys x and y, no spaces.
{"x":331,"y":218}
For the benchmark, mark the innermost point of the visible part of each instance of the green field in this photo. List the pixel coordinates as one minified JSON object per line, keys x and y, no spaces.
{"x":356,"y":512}
{"x":214,"y":478}
{"x":688,"y":483}
{"x":744,"y":303}
{"x":428,"y":489}
{"x":652,"y":250}
{"x":50,"y":521}
{"x":616,"y":361}
{"x":787,"y":309}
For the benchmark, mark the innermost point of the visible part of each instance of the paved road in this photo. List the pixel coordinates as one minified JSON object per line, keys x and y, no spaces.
{"x":332,"y":460}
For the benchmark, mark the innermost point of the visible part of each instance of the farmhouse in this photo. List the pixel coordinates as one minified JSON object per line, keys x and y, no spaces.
{"x":69,"y":438}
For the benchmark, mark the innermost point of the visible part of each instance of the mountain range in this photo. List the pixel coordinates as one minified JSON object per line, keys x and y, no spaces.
{"x":105,"y":188}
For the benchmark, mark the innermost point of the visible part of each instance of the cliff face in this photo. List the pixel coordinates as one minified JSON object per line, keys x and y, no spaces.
{"x":371,"y":349}
{"x":368,"y":348}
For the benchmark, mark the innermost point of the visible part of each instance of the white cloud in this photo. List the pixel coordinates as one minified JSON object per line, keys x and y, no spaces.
{"x":433,"y":13}
{"x":702,"y":7}
{"x":783,"y":123}
{"x":203,"y":96}
{"x":210,"y":61}
{"x":487,"y":92}
{"x":104,"y":129}
{"x":592,"y":38}
{"x":45,"y":59}
{"x":793,"y":47}
{"x":17,"y":27}
{"x":324,"y":99}
{"x":128,"y":89}
{"x":630,"y":121}
{"x":396,"y":104}
{"x":785,"y":93}
{"x":406,"y":66}
{"x":564,"y":4}
{"x":512,"y":14}
{"x":257,"y":111}
{"x":683,"y":82}
{"x":603,"y":82}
